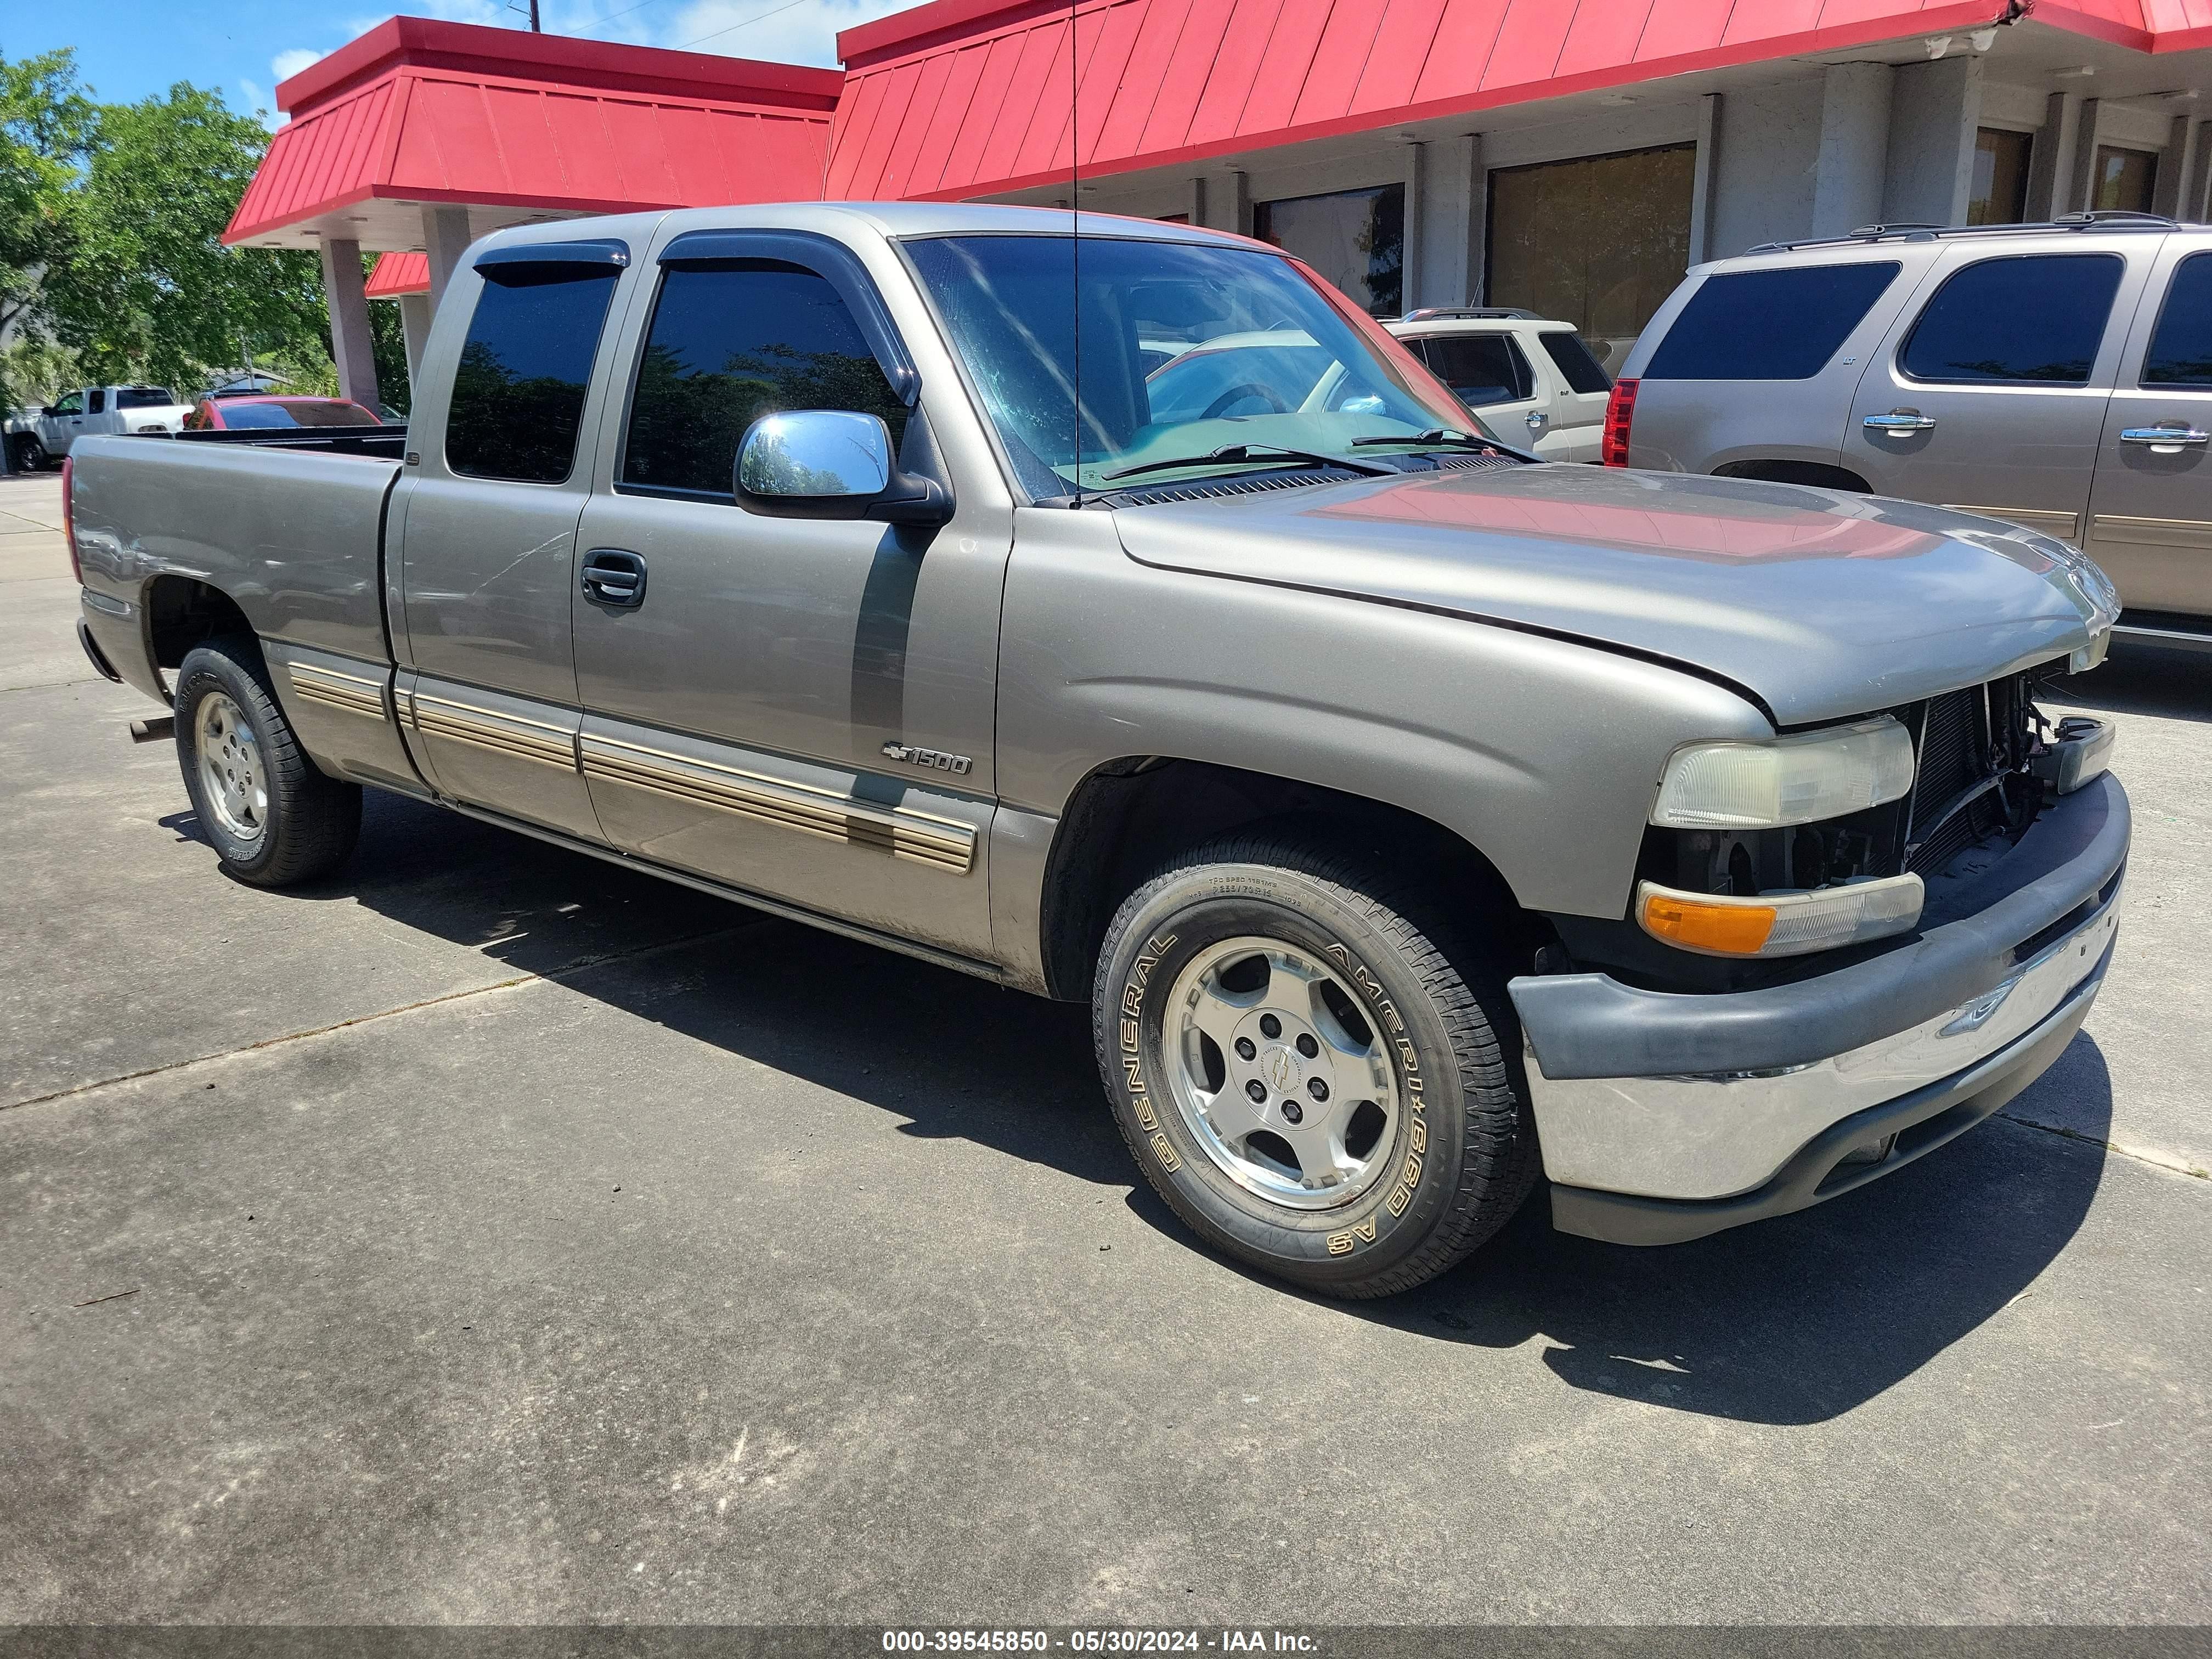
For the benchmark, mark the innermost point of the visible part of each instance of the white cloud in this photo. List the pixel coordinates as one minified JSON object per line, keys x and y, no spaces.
{"x":256,"y":99}
{"x":286,"y":65}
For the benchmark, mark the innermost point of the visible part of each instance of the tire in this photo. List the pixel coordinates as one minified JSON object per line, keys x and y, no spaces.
{"x":1436,"y":1159}
{"x":30,"y":455}
{"x":275,"y":819}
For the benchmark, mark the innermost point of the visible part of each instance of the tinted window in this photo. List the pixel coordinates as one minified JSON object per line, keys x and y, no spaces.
{"x":519,"y":391}
{"x":1581,"y":371}
{"x":1480,"y":368}
{"x":2181,"y":350}
{"x":300,"y":413}
{"x":2034,"y":317}
{"x":1768,"y":325}
{"x":72,"y":404}
{"x":143,"y":397}
{"x":98,"y":401}
{"x":734,"y":342}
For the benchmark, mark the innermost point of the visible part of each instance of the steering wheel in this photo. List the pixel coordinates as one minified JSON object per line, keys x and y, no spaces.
{"x":1228,"y":400}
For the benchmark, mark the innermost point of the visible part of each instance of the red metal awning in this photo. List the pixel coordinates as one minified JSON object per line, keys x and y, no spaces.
{"x":397,"y":274}
{"x":965,"y":97}
{"x":417,"y":112}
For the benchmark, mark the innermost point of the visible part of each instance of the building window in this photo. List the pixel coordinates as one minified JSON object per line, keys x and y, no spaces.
{"x":1600,"y":241}
{"x":2123,"y":179}
{"x":2000,"y":196}
{"x":1355,"y":238}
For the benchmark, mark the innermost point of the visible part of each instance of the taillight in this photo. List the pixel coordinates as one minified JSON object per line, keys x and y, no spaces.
{"x":1620,"y":414}
{"x":69,"y":519}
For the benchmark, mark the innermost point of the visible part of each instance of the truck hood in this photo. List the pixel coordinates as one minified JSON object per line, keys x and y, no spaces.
{"x":1819,"y":603}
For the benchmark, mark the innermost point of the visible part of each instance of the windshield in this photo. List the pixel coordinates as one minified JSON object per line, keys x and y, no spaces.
{"x":1184,"y":349}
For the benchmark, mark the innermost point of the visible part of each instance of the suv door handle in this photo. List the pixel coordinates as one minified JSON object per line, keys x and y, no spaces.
{"x":1899,"y":420}
{"x":2164,"y":437}
{"x":613,"y":576}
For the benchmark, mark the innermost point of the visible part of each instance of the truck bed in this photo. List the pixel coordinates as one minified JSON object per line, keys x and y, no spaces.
{"x":292,"y":534}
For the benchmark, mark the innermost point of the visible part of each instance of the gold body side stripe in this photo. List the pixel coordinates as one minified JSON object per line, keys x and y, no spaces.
{"x":350,"y":692}
{"x":921,"y":837}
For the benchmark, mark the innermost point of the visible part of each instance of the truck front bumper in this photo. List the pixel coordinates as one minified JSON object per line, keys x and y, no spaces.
{"x":1664,"y":1117}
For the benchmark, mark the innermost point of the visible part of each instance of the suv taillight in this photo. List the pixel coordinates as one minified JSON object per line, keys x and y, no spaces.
{"x":1620,"y":414}
{"x":69,"y":519}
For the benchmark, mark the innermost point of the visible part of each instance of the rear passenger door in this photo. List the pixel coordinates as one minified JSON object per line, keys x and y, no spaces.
{"x":1992,"y":397}
{"x":802,"y":708}
{"x":2150,"y":508}
{"x":1491,"y":374}
{"x":486,"y":532}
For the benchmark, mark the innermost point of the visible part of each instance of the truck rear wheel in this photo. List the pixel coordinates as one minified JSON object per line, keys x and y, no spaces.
{"x":274,"y":819}
{"x":1313,"y":1081}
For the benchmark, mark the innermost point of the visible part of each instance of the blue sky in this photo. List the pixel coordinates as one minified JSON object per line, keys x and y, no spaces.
{"x":127,"y":49}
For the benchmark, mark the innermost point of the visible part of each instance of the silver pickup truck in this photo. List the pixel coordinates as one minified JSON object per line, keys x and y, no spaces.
{"x":1420,"y":821}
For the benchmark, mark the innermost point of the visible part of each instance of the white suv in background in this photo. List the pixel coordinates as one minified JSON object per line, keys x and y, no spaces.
{"x":1532,"y":380}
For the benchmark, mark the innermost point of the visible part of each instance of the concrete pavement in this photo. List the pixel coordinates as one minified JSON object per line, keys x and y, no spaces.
{"x":490,"y":1235}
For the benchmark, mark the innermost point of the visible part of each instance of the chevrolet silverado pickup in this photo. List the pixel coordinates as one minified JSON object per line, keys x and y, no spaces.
{"x":1421,"y":821}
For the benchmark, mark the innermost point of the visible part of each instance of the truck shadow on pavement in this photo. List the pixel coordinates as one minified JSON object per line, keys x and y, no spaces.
{"x":1790,"y":1321}
{"x":2142,"y":679}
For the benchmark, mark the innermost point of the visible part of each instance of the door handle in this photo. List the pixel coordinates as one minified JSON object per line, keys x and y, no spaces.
{"x":1899,"y":420}
{"x":2167,"y":440}
{"x":614,"y":577}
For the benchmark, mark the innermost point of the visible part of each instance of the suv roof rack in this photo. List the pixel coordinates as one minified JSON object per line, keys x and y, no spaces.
{"x":2094,"y":219}
{"x":1431,"y":313}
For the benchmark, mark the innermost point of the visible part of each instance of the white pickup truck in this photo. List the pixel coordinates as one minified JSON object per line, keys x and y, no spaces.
{"x":39,"y":437}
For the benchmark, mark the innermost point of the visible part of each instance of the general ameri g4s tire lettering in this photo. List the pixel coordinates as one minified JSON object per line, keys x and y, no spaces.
{"x":1312,"y":1079}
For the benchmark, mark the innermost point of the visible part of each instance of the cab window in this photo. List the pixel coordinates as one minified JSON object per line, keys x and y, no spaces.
{"x":731,"y":342}
{"x":519,"y":390}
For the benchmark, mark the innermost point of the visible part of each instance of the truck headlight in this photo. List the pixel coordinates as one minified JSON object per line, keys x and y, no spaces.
{"x":1780,"y":924}
{"x":1795,"y":780}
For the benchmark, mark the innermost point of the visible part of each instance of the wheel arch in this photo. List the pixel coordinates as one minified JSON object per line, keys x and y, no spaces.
{"x":183,"y":611}
{"x":1820,"y":475}
{"x":1130,"y":814}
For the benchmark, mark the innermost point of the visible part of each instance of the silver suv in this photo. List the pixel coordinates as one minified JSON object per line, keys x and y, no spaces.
{"x":2057,"y":375}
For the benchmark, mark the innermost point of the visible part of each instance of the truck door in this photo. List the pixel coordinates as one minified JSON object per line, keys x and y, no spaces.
{"x":487,"y":532}
{"x":2150,"y":510}
{"x":59,"y":427}
{"x":1991,"y":397}
{"x":800,"y":707}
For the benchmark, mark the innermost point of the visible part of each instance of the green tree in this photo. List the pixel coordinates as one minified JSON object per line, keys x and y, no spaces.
{"x":46,"y":129}
{"x":147,"y":289}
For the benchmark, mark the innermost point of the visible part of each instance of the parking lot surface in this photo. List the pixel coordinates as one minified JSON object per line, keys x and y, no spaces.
{"x":489,"y":1234}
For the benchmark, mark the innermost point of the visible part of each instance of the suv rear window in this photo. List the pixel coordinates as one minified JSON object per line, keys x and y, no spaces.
{"x":143,"y":397}
{"x":1480,"y":368}
{"x":1581,"y":371}
{"x":2035,"y":318}
{"x":1769,"y":324}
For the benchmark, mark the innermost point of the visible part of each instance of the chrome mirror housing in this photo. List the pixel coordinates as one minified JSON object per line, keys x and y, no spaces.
{"x":815,"y":454}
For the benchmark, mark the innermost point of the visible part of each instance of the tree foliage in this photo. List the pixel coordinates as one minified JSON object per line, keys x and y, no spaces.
{"x":147,"y":290}
{"x":46,"y":125}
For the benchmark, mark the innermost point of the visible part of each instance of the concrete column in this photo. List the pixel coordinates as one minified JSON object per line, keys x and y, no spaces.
{"x":415,"y":328}
{"x":1705,"y":183}
{"x":1197,"y":206}
{"x":2050,"y":162}
{"x":1240,"y":187}
{"x":1935,"y":112}
{"x":343,"y":292}
{"x":1411,"y":289}
{"x":2084,"y":179}
{"x":445,"y":238}
{"x":2177,"y":169}
{"x":1854,"y":153}
{"x":1451,"y":225}
{"x":1476,"y":242}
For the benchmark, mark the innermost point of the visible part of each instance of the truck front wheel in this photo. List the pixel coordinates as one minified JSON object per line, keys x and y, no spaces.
{"x":274,"y":819}
{"x":1315,"y":1081}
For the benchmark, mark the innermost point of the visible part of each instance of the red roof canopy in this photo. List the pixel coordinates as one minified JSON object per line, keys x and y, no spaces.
{"x":400,"y":273}
{"x":417,"y":112}
{"x":963,"y":97}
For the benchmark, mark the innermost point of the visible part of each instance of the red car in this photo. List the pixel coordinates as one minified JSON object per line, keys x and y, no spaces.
{"x":274,"y":409}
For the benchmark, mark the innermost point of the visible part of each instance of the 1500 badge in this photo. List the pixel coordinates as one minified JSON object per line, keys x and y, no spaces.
{"x":936,"y":759}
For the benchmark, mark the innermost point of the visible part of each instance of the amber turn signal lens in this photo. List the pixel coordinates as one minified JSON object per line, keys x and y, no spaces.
{"x":1733,"y":930}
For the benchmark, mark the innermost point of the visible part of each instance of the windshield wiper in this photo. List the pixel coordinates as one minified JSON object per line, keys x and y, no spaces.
{"x":1264,"y":454}
{"x":1435,"y":437}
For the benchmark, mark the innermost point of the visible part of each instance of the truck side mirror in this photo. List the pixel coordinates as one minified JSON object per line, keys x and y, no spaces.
{"x":831,"y":463}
